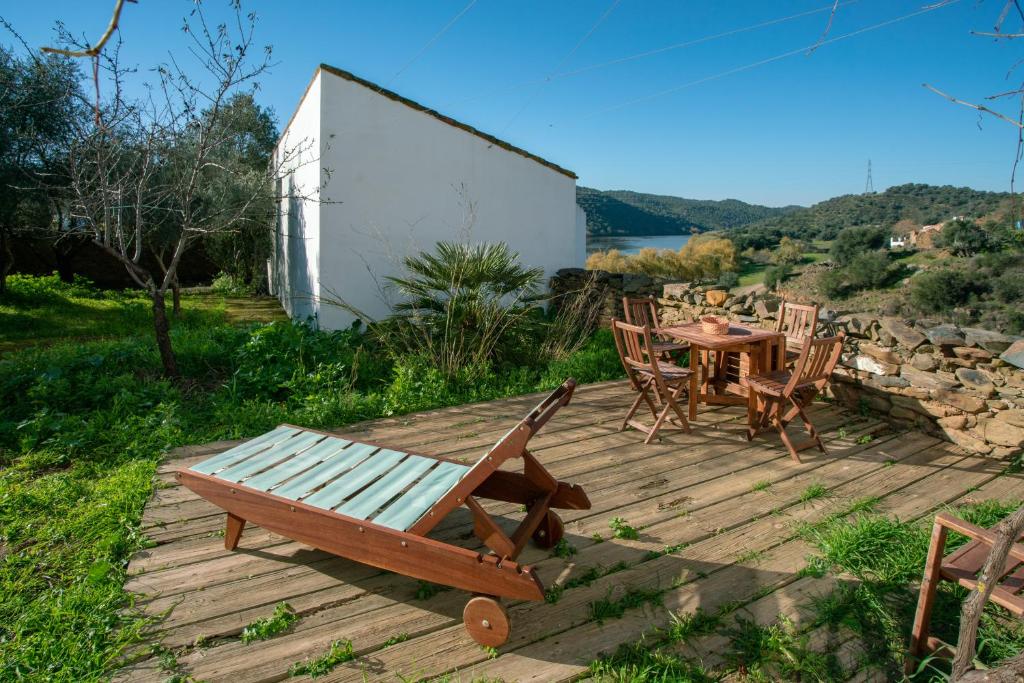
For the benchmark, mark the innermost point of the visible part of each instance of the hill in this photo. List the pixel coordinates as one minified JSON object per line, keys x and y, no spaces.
{"x":920,"y":204}
{"x":622,"y":212}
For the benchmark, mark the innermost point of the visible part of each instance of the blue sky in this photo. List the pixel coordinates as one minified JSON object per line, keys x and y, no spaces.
{"x":796,"y":130}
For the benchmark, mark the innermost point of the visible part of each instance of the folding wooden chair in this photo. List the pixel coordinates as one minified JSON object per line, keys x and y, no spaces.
{"x":376,"y":505}
{"x":644,"y":311}
{"x":650,"y":375}
{"x":782,"y":395}
{"x":962,"y":566}
{"x":799,"y":322}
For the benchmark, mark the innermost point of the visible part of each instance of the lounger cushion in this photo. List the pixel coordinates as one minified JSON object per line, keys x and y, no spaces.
{"x":387,"y":487}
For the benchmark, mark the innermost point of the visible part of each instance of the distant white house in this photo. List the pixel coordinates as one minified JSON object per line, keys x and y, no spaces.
{"x":371,"y":176}
{"x":898,"y":241}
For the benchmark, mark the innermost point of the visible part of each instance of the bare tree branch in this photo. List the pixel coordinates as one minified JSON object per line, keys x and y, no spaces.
{"x":979,"y":107}
{"x":95,"y":50}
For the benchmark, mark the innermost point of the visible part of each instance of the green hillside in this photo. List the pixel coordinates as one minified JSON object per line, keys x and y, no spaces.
{"x":921,"y":204}
{"x":622,"y":212}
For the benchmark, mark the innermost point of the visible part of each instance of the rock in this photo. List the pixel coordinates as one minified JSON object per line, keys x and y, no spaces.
{"x":953,"y":422}
{"x":926,"y":380}
{"x":1001,"y":433}
{"x":976,"y":380}
{"x":921,"y":407}
{"x":1014,"y":417}
{"x":906,"y":335}
{"x":884,"y":382}
{"x":971,"y":353}
{"x":765,"y":309}
{"x":945,"y":335}
{"x":675,"y":290}
{"x":925,"y":362}
{"x":856,"y":325}
{"x":968,"y":442}
{"x":901,"y":413}
{"x":873,"y":365}
{"x":882,"y":336}
{"x":1014,"y":354}
{"x":748,"y":319}
{"x":716,"y":297}
{"x":961,"y":401}
{"x":988,"y":340}
{"x":884,"y":355}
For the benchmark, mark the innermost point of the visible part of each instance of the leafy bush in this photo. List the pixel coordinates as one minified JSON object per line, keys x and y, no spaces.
{"x":964,"y":238}
{"x":775,"y":276}
{"x":702,"y":257}
{"x":789,"y":252}
{"x":231,"y":285}
{"x":940,"y":290}
{"x":852,"y":242}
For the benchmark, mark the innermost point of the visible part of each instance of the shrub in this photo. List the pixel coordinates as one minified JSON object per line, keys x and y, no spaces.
{"x":789,"y":252}
{"x":774,"y":276}
{"x":854,"y":241}
{"x":729,"y":279}
{"x":869,"y":270}
{"x":964,"y":238}
{"x":940,"y":290}
{"x":1009,"y":288}
{"x":702,"y":257}
{"x":231,"y":285}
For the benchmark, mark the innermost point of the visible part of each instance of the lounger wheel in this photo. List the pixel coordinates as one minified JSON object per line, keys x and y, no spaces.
{"x":486,"y":621}
{"x":550,"y":531}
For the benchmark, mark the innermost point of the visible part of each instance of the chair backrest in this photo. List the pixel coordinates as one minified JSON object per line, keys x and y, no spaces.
{"x":817,"y":360}
{"x":798,"y":322}
{"x":641,"y":311}
{"x":635,"y":344}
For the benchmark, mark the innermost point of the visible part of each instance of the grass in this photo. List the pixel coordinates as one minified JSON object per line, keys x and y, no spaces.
{"x":341,"y":651}
{"x":267,"y":627}
{"x":621,"y":529}
{"x":85,"y":416}
{"x":762,"y":485}
{"x":813,"y":492}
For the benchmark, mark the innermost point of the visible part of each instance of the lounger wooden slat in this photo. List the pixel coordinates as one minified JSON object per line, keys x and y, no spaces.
{"x":369,"y":470}
{"x":246,"y":449}
{"x":326,"y":471}
{"x":269,"y":458}
{"x":376,"y":505}
{"x":403,"y":512}
{"x":284,"y":471}
{"x":375,"y":496}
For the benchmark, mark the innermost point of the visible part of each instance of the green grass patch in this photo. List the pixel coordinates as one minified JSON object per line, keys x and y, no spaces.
{"x":341,"y":651}
{"x":563,"y":549}
{"x":267,"y":627}
{"x":762,"y":485}
{"x":813,"y":492}
{"x":621,"y":529}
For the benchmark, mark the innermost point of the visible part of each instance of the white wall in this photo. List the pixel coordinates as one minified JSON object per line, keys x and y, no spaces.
{"x":403,"y":180}
{"x":296,"y":254}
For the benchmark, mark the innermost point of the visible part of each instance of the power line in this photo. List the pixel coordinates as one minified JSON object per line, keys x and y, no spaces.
{"x":563,"y":60}
{"x":653,"y":52}
{"x":431,"y":42}
{"x":769,"y":60}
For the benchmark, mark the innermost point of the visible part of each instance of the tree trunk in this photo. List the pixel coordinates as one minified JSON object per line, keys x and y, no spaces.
{"x":176,"y":297}
{"x":1006,"y":533}
{"x":6,"y":259}
{"x":163,"y":334}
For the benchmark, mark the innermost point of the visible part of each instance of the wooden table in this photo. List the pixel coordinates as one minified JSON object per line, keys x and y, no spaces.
{"x":751,"y":346}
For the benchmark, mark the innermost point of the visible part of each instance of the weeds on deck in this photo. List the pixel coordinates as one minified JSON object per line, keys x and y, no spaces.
{"x":268,"y":627}
{"x":341,"y":651}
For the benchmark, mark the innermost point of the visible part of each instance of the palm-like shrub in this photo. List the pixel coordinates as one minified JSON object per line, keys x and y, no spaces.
{"x":463,"y":306}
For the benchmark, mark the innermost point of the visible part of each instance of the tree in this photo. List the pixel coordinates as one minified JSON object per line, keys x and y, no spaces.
{"x":964,"y":238}
{"x":853,"y":241}
{"x":40,"y":106}
{"x":157,"y":175}
{"x":789,"y":252}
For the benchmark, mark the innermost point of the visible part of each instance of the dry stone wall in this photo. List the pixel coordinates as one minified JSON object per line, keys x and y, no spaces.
{"x":963,"y":384}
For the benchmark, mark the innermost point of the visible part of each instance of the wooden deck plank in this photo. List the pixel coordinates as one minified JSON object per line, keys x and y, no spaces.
{"x":691,"y":489}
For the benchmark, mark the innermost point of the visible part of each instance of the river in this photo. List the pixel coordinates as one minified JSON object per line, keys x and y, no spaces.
{"x":629,"y":244}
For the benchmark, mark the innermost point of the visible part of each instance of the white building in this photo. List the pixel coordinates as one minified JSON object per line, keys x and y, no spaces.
{"x":370,"y":176}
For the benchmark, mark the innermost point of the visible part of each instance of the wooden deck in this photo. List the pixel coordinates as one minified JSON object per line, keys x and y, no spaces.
{"x":732,"y":547}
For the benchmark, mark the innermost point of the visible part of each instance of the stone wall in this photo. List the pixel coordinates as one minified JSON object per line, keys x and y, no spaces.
{"x":965,"y":385}
{"x":606,"y":288}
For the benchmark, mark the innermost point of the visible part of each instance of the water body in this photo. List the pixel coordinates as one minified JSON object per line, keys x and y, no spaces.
{"x":630,"y":245}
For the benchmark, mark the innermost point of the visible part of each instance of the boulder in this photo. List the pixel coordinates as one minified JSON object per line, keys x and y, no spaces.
{"x":716,"y":297}
{"x":925,"y":380}
{"x":968,"y":442}
{"x":971,"y":353}
{"x":988,"y":340}
{"x":877,"y":352}
{"x":945,"y":335}
{"x":765,"y":309}
{"x":873,"y":365}
{"x":904,"y":334}
{"x":1014,"y":354}
{"x":675,"y":290}
{"x":1014,"y":417}
{"x":953,"y":422}
{"x":961,"y":401}
{"x":976,"y":381}
{"x":925,"y":362}
{"x":857,"y":325}
{"x":885,"y":382}
{"x":921,"y":407}
{"x":1001,"y":433}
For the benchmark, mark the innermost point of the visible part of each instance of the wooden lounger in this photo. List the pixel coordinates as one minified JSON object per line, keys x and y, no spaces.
{"x":376,"y":505}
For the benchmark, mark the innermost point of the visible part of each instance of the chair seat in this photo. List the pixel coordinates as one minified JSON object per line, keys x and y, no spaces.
{"x":773,"y":383}
{"x":359,"y":480}
{"x":964,"y":564}
{"x":670,"y":371}
{"x":661,"y":347}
